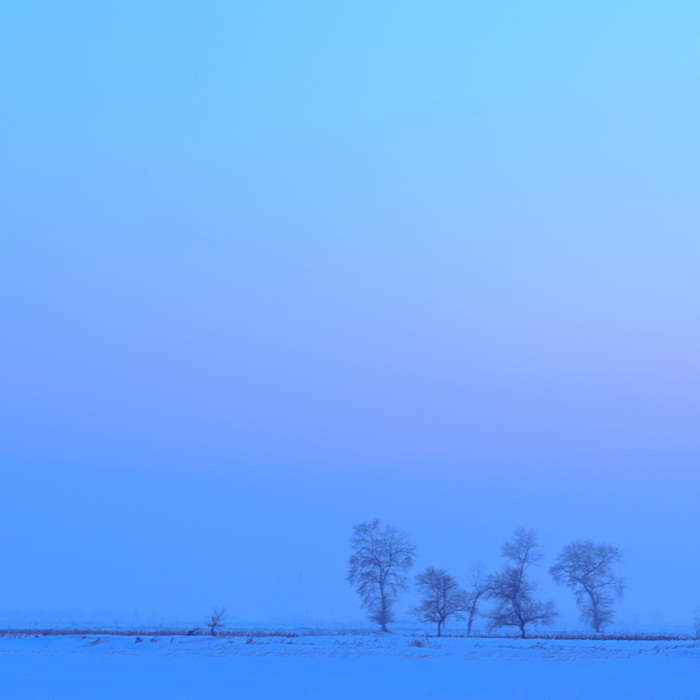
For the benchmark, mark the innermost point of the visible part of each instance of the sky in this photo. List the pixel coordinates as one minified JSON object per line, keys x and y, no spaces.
{"x":268,"y":270}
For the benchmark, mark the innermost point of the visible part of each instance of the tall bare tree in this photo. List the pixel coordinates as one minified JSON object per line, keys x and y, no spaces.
{"x":442,"y":598}
{"x":586,"y":568}
{"x":512,"y":592}
{"x":478,"y":588}
{"x":381,"y":557}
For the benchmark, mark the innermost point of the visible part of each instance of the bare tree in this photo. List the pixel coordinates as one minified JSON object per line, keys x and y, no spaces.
{"x":513,"y":592}
{"x":586,"y":568}
{"x":216,"y":620}
{"x":478,"y":587}
{"x":696,"y":623}
{"x":442,"y":598}
{"x":378,"y":565}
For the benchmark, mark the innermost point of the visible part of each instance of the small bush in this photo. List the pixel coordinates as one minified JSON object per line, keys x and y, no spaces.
{"x":422,"y":642}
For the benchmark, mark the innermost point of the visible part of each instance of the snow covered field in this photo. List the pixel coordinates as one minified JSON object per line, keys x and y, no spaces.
{"x":340,"y":667}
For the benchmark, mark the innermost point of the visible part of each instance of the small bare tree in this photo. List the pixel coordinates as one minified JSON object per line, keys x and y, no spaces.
{"x":442,"y":598}
{"x":478,"y":587}
{"x":380,"y":558}
{"x":696,"y":623}
{"x":586,"y":568}
{"x":511,"y":590}
{"x":216,"y":620}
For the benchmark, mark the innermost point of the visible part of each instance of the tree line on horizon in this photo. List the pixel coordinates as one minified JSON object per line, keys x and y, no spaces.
{"x":382,"y":556}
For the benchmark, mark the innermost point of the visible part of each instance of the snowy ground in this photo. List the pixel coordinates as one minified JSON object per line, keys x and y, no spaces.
{"x":343,"y":667}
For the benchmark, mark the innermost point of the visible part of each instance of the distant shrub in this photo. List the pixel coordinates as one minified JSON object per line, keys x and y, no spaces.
{"x":422,"y":642}
{"x":216,"y":620}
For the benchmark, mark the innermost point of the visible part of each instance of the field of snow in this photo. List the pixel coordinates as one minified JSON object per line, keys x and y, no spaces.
{"x":343,"y":667}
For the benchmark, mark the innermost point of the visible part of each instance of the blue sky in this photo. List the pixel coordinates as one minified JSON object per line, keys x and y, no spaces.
{"x":335,"y":247}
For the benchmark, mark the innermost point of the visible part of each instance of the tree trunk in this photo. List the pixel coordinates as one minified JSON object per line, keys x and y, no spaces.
{"x":596,"y":616}
{"x":472,"y":610}
{"x":383,"y":609}
{"x":439,"y":628}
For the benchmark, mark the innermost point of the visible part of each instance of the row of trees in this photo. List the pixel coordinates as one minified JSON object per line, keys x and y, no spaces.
{"x":382,"y":555}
